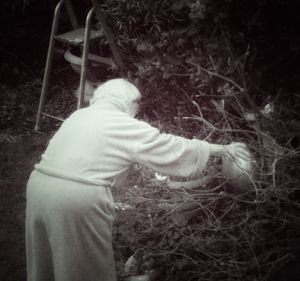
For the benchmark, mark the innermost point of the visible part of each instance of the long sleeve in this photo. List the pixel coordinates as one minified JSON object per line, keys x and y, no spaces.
{"x":172,"y":155}
{"x":97,"y":144}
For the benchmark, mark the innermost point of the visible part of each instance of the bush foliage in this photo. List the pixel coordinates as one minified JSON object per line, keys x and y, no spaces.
{"x":201,"y":66}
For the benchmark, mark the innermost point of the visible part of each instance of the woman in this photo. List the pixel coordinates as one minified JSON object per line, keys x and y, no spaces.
{"x":70,"y":211}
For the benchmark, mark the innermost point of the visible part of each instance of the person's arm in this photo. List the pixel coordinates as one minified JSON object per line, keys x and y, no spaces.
{"x":171,"y":155}
{"x":177,"y":156}
{"x":216,"y":149}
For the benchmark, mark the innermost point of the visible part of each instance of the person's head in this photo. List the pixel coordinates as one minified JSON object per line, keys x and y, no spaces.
{"x":119,"y":90}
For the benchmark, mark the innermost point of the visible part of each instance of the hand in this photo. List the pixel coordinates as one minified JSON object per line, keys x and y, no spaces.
{"x":237,"y":150}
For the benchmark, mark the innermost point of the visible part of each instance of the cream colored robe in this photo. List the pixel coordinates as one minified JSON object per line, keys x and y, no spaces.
{"x":70,"y":212}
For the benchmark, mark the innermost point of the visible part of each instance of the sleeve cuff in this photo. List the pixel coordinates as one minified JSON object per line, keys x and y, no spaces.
{"x":202,"y":159}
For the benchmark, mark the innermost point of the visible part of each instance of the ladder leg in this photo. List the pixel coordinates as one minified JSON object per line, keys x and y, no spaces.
{"x":48,"y":64}
{"x":85,"y":58}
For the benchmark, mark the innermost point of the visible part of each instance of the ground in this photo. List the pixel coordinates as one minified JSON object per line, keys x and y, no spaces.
{"x":17,"y":160}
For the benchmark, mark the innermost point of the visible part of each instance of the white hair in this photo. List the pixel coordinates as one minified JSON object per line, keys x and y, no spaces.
{"x":119,"y":89}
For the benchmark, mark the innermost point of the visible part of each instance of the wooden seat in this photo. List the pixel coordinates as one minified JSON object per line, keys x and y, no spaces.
{"x":76,"y":37}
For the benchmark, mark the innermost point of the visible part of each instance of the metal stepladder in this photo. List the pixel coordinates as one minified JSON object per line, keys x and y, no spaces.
{"x":76,"y":37}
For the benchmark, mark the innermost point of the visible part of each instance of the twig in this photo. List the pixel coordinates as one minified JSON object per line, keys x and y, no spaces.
{"x":217,"y":75}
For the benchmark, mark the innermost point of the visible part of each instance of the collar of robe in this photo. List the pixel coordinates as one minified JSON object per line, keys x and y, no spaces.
{"x":111,"y":103}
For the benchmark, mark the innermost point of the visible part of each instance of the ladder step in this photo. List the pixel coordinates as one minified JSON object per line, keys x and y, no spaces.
{"x":76,"y":36}
{"x":105,"y":60}
{"x":75,"y":60}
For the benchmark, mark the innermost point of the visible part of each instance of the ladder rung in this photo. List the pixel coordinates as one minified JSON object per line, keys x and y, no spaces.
{"x":76,"y":36}
{"x":105,"y":60}
{"x":95,"y":59}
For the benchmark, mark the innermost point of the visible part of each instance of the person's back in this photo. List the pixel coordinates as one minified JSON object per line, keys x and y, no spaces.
{"x":94,"y":144}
